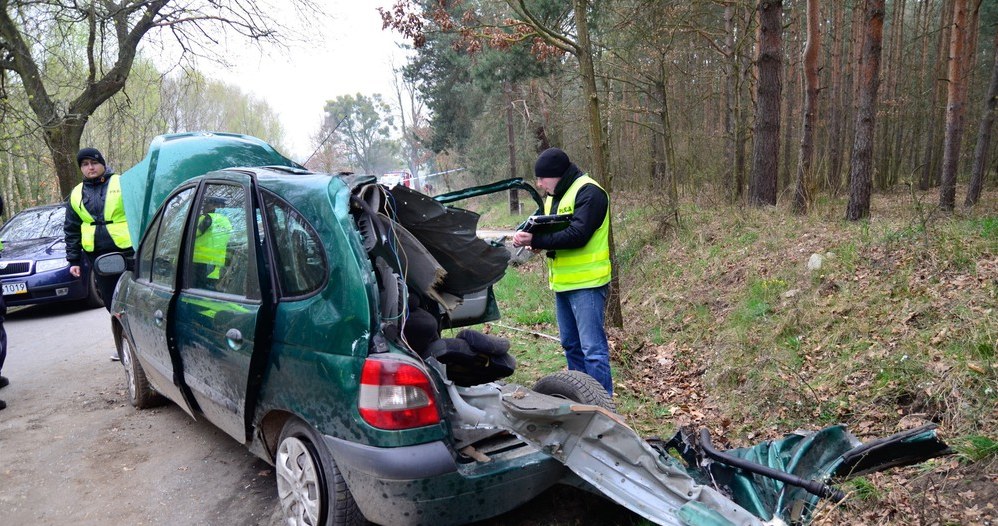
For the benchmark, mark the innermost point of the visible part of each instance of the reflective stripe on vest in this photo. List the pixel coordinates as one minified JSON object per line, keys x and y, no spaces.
{"x":211,"y":244}
{"x":114,"y":216}
{"x":585,"y":267}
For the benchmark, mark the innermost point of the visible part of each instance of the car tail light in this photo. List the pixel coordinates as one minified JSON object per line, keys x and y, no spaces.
{"x":396,"y":395}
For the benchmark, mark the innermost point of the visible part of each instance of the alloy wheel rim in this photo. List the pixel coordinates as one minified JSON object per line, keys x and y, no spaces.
{"x":126,"y":361}
{"x":298,"y":485}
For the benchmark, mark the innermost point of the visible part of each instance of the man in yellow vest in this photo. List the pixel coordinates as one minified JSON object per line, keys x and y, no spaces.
{"x":95,"y":220}
{"x":578,"y":260}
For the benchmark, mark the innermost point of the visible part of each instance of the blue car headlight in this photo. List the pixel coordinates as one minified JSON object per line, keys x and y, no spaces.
{"x":47,"y":265}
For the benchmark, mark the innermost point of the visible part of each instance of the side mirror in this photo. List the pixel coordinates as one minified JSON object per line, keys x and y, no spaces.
{"x":112,"y":264}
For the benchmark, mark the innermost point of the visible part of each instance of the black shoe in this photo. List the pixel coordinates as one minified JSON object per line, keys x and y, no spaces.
{"x":3,"y":405}
{"x":4,"y":382}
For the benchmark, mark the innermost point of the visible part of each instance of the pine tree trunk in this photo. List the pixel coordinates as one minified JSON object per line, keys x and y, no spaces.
{"x":671,"y":183}
{"x":954,"y":106}
{"x":789,"y":92}
{"x":811,"y":53}
{"x":766,"y":148}
{"x":860,"y":181}
{"x":600,"y":169}
{"x":930,"y":166}
{"x":918,"y":83}
{"x":980,"y":162}
{"x":514,"y":197}
{"x":856,"y":59}
{"x":899,"y":74}
{"x":835,"y":101}
{"x":891,"y":113}
{"x":731,"y":70}
{"x":743,"y":90}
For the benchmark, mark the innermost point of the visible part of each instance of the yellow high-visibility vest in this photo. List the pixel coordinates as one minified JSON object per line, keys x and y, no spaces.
{"x":585,"y":267}
{"x":114,"y":216}
{"x":210,"y":245}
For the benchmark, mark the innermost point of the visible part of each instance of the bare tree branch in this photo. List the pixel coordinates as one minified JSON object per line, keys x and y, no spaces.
{"x":37,"y":33}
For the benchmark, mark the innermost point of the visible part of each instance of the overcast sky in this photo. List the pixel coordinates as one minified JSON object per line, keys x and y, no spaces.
{"x":354,"y":55}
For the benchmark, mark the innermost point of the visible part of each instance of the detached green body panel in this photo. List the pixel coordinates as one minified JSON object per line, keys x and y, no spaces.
{"x":829,"y":455}
{"x":812,"y":456}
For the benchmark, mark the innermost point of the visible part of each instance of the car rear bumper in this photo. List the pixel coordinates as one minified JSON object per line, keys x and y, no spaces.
{"x":426,"y":484}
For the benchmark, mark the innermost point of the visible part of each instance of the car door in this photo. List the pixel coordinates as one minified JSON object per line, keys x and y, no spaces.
{"x":150,"y":293}
{"x":218,"y":304}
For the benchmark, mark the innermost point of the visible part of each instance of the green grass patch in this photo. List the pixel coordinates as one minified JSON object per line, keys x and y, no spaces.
{"x":494,"y":210}
{"x":760,"y":296}
{"x":989,"y":228}
{"x":524,"y":297}
{"x":975,"y":448}
{"x":862,"y":489}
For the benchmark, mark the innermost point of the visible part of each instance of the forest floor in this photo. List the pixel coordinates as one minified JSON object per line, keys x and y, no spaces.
{"x":725,"y":327}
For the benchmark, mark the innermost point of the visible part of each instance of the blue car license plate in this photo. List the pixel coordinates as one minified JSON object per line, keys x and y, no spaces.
{"x":10,"y":289}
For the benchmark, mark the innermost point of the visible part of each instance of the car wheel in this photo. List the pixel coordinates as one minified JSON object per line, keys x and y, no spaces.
{"x":140,"y":394}
{"x":311,"y":489}
{"x":576,"y":386}
{"x":93,"y":299}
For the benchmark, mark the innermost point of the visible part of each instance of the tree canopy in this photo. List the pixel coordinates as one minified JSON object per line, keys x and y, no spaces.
{"x":361,"y":128}
{"x":64,"y":89}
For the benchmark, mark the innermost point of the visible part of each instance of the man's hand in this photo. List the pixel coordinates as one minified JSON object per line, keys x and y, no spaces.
{"x":522,"y":239}
{"x":74,"y":271}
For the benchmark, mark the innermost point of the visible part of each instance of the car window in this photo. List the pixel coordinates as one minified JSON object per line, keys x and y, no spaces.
{"x":34,"y":224}
{"x":221,"y":258}
{"x":301,"y":263}
{"x":146,"y":251}
{"x":161,"y":249}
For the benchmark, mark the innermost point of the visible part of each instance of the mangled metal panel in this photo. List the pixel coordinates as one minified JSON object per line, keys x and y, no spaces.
{"x":680,"y":482}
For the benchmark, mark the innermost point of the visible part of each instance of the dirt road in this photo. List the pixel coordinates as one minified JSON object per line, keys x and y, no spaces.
{"x":73,"y":451}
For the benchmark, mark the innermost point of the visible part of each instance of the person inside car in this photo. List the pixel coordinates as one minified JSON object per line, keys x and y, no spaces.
{"x":211,"y":240}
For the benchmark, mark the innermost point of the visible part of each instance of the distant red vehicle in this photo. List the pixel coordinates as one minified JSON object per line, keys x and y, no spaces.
{"x":402,"y":177}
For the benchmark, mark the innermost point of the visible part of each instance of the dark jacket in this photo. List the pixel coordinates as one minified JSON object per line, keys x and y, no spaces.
{"x":591,"y":204}
{"x":94,"y":194}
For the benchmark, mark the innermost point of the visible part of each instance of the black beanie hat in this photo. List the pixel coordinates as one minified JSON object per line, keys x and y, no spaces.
{"x":552,"y":163}
{"x":90,"y":153}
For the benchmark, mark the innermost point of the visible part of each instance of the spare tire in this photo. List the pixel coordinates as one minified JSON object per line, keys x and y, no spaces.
{"x":576,"y":386}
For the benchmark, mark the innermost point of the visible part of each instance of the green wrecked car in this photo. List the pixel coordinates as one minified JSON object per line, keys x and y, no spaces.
{"x":302,"y":313}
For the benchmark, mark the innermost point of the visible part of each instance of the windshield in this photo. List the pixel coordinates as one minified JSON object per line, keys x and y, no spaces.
{"x":34,"y":224}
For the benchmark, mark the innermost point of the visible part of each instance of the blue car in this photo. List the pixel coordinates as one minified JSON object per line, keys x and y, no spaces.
{"x":33,"y":266}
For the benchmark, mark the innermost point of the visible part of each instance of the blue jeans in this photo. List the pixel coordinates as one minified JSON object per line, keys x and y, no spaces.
{"x":580,"y":325}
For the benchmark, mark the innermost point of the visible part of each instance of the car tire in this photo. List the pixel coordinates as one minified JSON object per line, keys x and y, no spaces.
{"x":140,"y":393}
{"x":576,"y":386}
{"x":93,"y":299}
{"x":309,"y":484}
